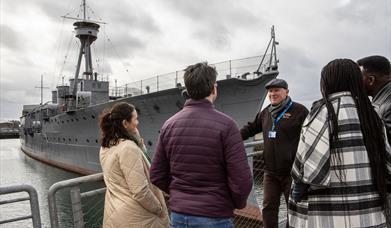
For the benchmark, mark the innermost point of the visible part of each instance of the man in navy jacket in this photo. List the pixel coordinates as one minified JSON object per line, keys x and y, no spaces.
{"x":200,"y":158}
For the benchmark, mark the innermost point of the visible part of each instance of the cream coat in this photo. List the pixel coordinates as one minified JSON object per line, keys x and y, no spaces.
{"x":131,"y":200}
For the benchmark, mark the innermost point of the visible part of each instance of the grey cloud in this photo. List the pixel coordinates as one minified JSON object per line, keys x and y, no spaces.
{"x":217,"y":35}
{"x":119,"y":45}
{"x":9,"y":38}
{"x":222,"y":11}
{"x":300,"y":71}
{"x":217,"y":22}
{"x":12,"y":112}
{"x":120,"y":15}
{"x":137,"y":20}
{"x":364,"y":12}
{"x":120,"y":35}
{"x":55,"y":10}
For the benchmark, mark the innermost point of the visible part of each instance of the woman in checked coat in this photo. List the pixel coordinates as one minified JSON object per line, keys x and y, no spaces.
{"x":343,"y":162}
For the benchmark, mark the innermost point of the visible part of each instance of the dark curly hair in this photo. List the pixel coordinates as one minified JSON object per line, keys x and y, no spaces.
{"x":110,"y":122}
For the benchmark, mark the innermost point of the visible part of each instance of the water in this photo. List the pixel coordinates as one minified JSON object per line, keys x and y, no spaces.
{"x":17,"y":168}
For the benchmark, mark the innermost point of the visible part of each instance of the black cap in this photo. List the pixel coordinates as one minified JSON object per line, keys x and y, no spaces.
{"x":277,"y":83}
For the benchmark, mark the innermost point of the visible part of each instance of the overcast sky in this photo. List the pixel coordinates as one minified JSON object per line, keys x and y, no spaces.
{"x":154,"y":37}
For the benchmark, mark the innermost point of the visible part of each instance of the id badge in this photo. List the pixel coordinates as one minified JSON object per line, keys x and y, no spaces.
{"x":272,"y":134}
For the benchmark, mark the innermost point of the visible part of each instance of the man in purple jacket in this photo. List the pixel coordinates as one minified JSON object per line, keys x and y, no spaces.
{"x":200,"y":158}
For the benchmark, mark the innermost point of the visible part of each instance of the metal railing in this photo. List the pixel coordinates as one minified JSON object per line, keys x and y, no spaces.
{"x":33,"y":198}
{"x":247,"y":217}
{"x":238,"y":68}
{"x":76,"y":198}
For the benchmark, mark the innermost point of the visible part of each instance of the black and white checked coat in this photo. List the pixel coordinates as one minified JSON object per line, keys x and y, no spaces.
{"x":330,"y":203}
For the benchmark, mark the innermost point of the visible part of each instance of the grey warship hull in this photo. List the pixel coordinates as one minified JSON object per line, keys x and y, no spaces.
{"x":70,"y":140}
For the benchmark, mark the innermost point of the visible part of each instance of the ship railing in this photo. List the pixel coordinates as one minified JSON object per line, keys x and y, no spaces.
{"x":32,"y":198}
{"x":87,"y":206}
{"x":237,"y":68}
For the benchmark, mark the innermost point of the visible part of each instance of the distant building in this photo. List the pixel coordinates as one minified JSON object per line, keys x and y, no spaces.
{"x":9,"y":129}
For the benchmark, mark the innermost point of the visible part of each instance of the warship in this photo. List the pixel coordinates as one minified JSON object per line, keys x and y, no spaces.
{"x":65,"y":131}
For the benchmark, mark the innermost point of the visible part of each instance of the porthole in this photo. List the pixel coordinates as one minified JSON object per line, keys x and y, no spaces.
{"x":84,"y":118}
{"x":92,"y":116}
{"x":96,"y":140}
{"x":87,"y":140}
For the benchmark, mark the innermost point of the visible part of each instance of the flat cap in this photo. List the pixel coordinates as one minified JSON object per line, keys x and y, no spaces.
{"x":277,"y":83}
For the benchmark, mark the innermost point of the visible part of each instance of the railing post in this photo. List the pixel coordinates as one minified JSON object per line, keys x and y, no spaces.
{"x":157,"y":83}
{"x":52,"y":207}
{"x":77,"y":210}
{"x":176,"y":78}
{"x":34,"y":204}
{"x":141,"y":86}
{"x":34,"y":207}
{"x":230,"y":68}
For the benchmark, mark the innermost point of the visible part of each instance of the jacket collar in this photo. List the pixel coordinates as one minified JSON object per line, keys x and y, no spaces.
{"x":336,"y":95}
{"x":382,"y":92}
{"x":317,"y":105}
{"x":204,"y":103}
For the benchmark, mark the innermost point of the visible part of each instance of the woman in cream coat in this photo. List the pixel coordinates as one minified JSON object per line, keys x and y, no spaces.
{"x":131,"y":200}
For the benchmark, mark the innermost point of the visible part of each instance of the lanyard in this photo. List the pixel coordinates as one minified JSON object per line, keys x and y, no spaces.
{"x":281,"y":115}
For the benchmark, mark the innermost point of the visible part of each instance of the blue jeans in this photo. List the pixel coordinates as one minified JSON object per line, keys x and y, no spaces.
{"x":190,"y":221}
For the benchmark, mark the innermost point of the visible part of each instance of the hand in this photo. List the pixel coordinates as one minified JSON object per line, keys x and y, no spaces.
{"x":136,"y":132}
{"x":298,"y":191}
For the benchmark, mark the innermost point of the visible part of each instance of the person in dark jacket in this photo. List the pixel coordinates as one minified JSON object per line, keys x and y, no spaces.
{"x":376,"y":71}
{"x":200,"y":158}
{"x":377,"y":80}
{"x":280,"y":123}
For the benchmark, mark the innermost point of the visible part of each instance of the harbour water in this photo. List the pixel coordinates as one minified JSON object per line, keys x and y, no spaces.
{"x":16,"y":168}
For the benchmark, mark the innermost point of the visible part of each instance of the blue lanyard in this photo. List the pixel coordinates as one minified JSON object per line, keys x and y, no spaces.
{"x":281,"y":115}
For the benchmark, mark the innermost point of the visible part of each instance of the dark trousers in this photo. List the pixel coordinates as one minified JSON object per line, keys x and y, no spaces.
{"x":273,"y":186}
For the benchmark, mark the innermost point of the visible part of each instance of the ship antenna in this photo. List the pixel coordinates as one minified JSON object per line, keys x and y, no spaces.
{"x":273,"y":55}
{"x":84,"y":10}
{"x":41,"y":87}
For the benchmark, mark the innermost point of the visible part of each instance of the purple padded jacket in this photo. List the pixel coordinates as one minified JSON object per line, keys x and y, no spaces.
{"x":201,"y":162}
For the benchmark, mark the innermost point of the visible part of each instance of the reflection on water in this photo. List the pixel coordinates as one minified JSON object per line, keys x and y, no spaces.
{"x":17,"y":168}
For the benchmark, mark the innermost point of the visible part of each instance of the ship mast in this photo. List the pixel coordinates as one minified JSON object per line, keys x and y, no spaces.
{"x":273,"y":61}
{"x":87,"y":32}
